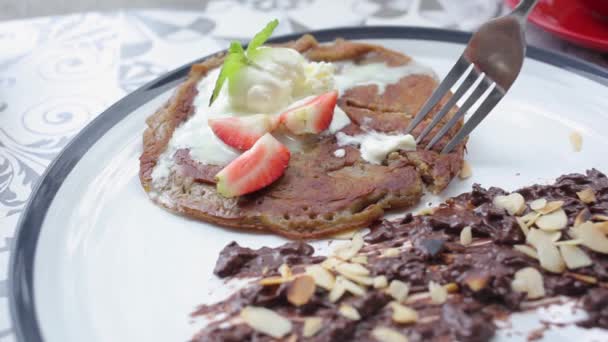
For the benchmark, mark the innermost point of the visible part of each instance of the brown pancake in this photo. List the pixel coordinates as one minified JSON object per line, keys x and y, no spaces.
{"x":319,"y":194}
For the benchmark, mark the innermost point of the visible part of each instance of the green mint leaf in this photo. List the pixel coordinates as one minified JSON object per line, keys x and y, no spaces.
{"x":261,"y":37}
{"x":233,"y":62}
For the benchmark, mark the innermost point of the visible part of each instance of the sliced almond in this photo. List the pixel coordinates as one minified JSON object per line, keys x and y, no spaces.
{"x":587,"y":195}
{"x":390,"y":252}
{"x":530,"y":281}
{"x":351,"y":287}
{"x":323,"y":278}
{"x":592,"y":237}
{"x":576,"y":140}
{"x":403,"y":314}
{"x":599,"y":217}
{"x":513,"y":203}
{"x":312,"y":325}
{"x":438,"y":293}
{"x":574,"y":257}
{"x":573,"y":242}
{"x":603,"y":226}
{"x":354,"y":269}
{"x":285,"y":271}
{"x":465,"y":171}
{"x":270,"y":281}
{"x":538,"y":204}
{"x":466,"y":236}
{"x":536,"y":236}
{"x":530,"y":218}
{"x":331,"y":263}
{"x":300,"y":290}
{"x":359,"y":259}
{"x":347,"y":235}
{"x":582,"y":217}
{"x":522,"y":225}
{"x":384,"y":334}
{"x":349,"y":312}
{"x":380,"y":282}
{"x":584,"y":278}
{"x":337,"y":292}
{"x":350,"y":249}
{"x":549,"y":257}
{"x":398,"y":290}
{"x":266,"y":321}
{"x":554,"y":220}
{"x":527,"y":250}
{"x":551,"y":207}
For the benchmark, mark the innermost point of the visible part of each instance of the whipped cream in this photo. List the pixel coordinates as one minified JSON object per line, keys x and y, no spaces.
{"x":379,"y":74}
{"x":375,"y":146}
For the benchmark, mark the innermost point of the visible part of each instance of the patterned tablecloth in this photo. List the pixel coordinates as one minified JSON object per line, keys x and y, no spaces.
{"x":58,"y":73}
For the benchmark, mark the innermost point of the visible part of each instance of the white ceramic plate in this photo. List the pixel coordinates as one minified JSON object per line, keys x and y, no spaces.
{"x":95,"y":260}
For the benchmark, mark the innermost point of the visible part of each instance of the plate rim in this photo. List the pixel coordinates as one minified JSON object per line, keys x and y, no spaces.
{"x":22,"y":256}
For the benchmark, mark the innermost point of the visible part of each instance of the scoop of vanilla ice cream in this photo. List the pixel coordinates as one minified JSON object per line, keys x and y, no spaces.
{"x":276,"y":78}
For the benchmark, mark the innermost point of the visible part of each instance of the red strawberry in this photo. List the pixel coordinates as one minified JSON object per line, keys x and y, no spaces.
{"x":256,"y":168}
{"x":241,"y":132}
{"x":314,"y":116}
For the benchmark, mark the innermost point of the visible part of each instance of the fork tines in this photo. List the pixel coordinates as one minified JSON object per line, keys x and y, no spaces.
{"x":473,"y":78}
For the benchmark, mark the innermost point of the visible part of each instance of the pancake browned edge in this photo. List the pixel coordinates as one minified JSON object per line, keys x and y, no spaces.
{"x":319,"y":194}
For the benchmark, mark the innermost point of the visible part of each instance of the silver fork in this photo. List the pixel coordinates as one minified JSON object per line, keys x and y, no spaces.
{"x":490,"y":63}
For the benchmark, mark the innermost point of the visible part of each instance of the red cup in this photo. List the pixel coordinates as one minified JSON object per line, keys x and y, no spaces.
{"x":598,"y":7}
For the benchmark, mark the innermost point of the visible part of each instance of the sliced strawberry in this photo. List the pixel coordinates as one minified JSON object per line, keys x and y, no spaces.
{"x":241,"y":132}
{"x":314,"y":116}
{"x":256,"y":168}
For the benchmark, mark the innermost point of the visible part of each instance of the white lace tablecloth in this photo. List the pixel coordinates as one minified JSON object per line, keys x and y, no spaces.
{"x":58,"y":73}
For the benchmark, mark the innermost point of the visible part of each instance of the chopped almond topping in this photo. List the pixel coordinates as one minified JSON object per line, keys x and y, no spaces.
{"x":466,"y":236}
{"x":548,"y":255}
{"x":555,"y":220}
{"x":574,"y":257}
{"x":384,"y":334}
{"x":349,"y":312}
{"x":576,"y":139}
{"x":301,"y":290}
{"x":380,"y":282}
{"x":587,"y":195}
{"x":398,"y":290}
{"x":513,"y":203}
{"x":465,"y":171}
{"x":355,"y":269}
{"x":591,"y":236}
{"x":438,"y":293}
{"x":337,"y":292}
{"x":403,"y":314}
{"x":527,"y":250}
{"x":312,"y":325}
{"x":530,"y":281}
{"x":350,"y":249}
{"x":266,"y":321}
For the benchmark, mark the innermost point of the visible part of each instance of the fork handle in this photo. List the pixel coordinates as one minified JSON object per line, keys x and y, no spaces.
{"x":524,"y":8}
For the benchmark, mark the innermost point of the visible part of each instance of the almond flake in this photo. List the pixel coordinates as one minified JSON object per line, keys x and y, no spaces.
{"x":574,"y":257}
{"x":513,"y":203}
{"x":384,"y":334}
{"x":266,"y":321}
{"x":312,"y":325}
{"x":530,"y":281}
{"x":350,"y":249}
{"x":285,"y":271}
{"x":354,"y":269}
{"x":336,"y":292}
{"x":466,"y":236}
{"x":587,"y":195}
{"x":438,"y":293}
{"x":398,"y":290}
{"x":323,"y":278}
{"x":347,"y":235}
{"x":599,"y":217}
{"x":527,"y":250}
{"x":573,"y":242}
{"x":331,"y":263}
{"x":592,"y":237}
{"x":351,"y":287}
{"x":551,"y":207}
{"x":584,"y":278}
{"x":536,"y":237}
{"x":273,"y":281}
{"x":390,"y":252}
{"x":522,"y":225}
{"x":538,"y":204}
{"x":582,"y":217}
{"x":359,"y":259}
{"x":301,"y":290}
{"x":555,"y":220}
{"x":380,"y":282}
{"x":576,"y":139}
{"x":403,"y":314}
{"x":530,"y":218}
{"x":362,"y":280}
{"x":549,"y":257}
{"x":349,"y":312}
{"x":465,"y":171}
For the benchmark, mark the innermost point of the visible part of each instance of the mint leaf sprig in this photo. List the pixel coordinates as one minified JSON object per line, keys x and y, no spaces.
{"x":237,"y":58}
